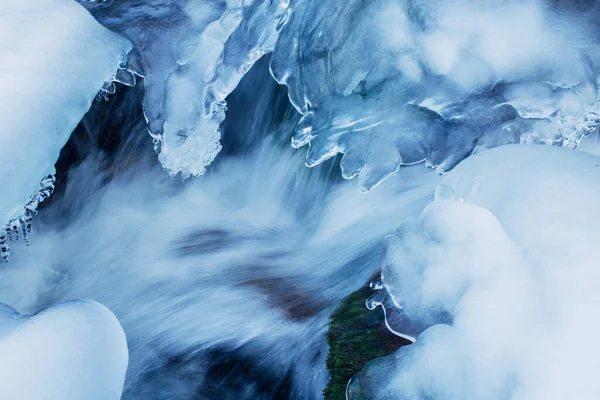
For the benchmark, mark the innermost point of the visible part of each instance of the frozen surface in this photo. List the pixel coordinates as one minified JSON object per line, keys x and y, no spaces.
{"x":54,"y":59}
{"x":194,"y":54}
{"x":72,"y":351}
{"x":508,"y":252}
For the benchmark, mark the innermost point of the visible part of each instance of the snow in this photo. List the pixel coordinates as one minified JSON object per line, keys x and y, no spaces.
{"x":54,"y":59}
{"x":509,"y":250}
{"x":72,"y":351}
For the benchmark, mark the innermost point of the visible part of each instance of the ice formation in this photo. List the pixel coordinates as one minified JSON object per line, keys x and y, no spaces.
{"x":398,"y":82}
{"x":501,"y":273}
{"x":55,"y":58}
{"x":72,"y":351}
{"x":385,"y":83}
{"x":195,"y":53}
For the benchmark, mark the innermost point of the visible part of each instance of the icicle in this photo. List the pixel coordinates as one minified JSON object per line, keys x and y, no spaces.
{"x":157,"y":141}
{"x":376,"y":284}
{"x":134,"y":64}
{"x":101,"y":96}
{"x":4,"y":248}
{"x":22,"y":224}
{"x":14,"y":225}
{"x":125,"y":75}
{"x":26,"y":226}
{"x":110,"y":87}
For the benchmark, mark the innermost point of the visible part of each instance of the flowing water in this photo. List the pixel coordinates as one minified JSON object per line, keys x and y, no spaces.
{"x":224,"y":284}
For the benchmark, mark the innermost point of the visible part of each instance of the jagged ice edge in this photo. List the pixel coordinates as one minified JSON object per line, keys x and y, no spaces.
{"x":21,"y":225}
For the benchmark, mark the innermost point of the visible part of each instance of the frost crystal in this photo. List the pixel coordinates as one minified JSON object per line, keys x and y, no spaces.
{"x":22,"y":224}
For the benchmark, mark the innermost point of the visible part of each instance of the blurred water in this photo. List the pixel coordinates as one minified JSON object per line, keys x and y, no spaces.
{"x":223,"y":284}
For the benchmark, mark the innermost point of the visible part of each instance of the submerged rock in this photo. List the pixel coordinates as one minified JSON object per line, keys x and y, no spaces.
{"x":356,"y":336}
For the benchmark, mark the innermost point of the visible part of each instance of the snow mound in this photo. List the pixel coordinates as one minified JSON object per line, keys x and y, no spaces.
{"x":72,"y":351}
{"x":501,"y":275}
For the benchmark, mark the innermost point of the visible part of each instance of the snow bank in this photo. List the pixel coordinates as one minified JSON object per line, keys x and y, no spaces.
{"x":508,"y":250}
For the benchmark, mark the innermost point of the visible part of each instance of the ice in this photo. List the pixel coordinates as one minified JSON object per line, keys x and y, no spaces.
{"x":397,"y":82}
{"x":194,"y":54}
{"x":509,"y":251}
{"x":385,"y":83}
{"x":55,"y":58}
{"x":72,"y":351}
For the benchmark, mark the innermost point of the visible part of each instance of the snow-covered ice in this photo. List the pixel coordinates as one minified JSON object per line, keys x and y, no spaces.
{"x":73,"y":351}
{"x":54,"y":59}
{"x":509,"y":251}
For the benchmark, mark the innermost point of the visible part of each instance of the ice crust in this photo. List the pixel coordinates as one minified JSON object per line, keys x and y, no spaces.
{"x":72,"y":351}
{"x":509,"y":251}
{"x":54,"y":59}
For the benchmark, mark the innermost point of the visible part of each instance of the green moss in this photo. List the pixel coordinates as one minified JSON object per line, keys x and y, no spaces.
{"x":356,"y":336}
